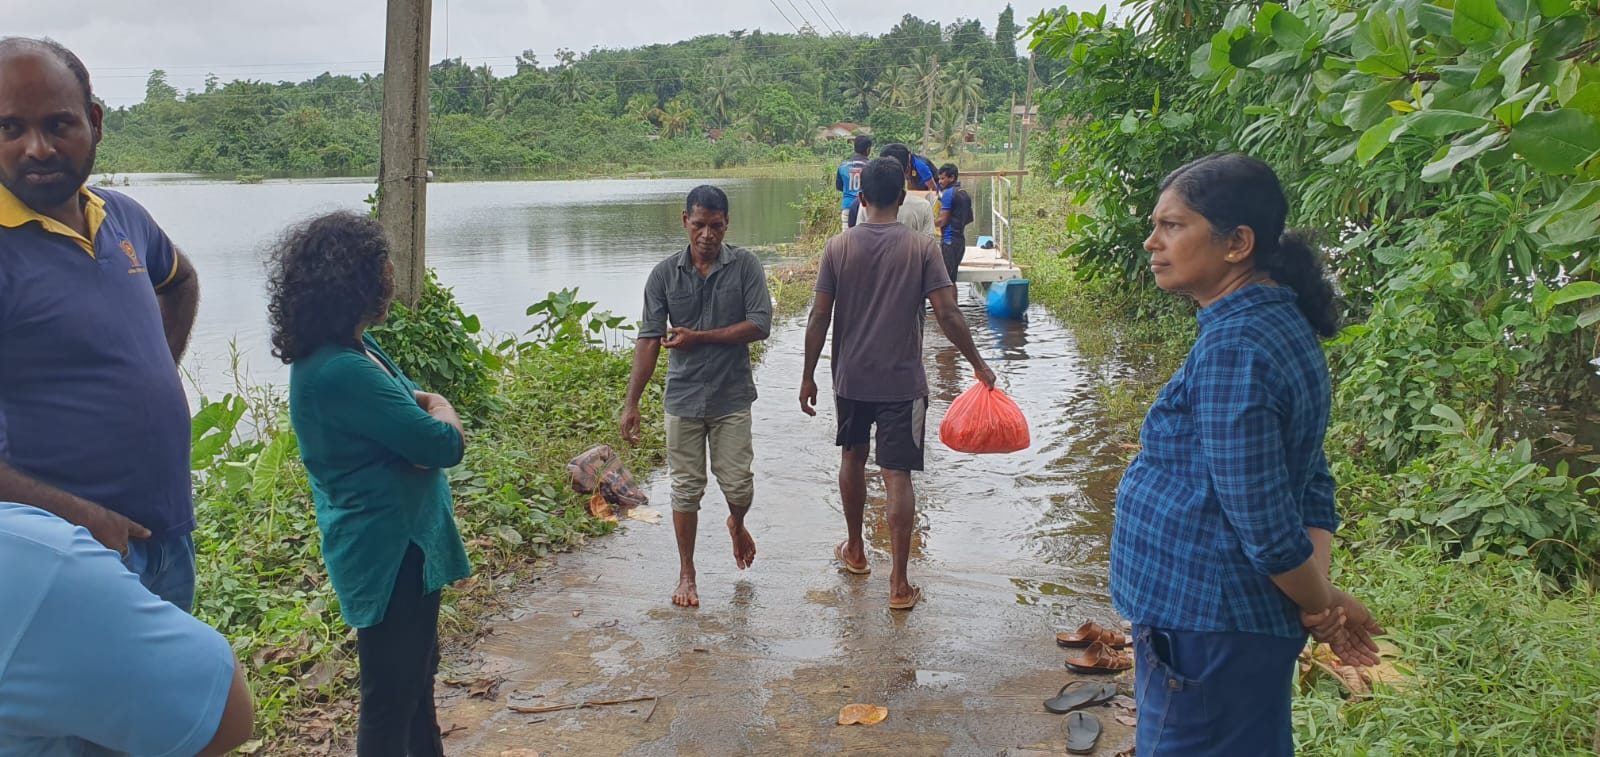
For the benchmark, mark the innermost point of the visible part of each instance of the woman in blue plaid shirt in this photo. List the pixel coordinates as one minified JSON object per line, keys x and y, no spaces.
{"x":1225,"y":519}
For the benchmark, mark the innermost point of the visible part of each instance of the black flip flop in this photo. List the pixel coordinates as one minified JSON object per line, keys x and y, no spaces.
{"x":1086,"y":694}
{"x":1083,"y":732}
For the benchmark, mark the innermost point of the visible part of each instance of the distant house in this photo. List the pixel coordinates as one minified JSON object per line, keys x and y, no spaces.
{"x":842,"y":130}
{"x":1030,"y":116}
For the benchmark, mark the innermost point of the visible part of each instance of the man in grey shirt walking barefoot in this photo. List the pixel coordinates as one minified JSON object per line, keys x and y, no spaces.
{"x":714,"y":296}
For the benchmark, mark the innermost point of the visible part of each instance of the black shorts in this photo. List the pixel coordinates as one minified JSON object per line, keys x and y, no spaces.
{"x":952,"y":254}
{"x":901,"y":426}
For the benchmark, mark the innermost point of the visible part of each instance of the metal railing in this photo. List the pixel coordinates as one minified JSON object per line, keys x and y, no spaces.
{"x":1000,"y":215}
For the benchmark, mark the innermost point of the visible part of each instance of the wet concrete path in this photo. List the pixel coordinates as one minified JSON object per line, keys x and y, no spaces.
{"x":1008,"y":550}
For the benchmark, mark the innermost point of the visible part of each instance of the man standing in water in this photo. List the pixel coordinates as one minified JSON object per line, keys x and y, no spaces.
{"x":847,"y":179}
{"x":874,"y":278}
{"x":714,"y":296}
{"x":96,"y":307}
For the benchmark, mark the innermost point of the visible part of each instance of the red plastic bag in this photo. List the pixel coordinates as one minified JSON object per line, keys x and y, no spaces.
{"x":984,"y":420}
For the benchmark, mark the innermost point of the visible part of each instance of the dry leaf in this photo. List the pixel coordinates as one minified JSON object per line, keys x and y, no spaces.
{"x":1127,"y":720}
{"x":1125,"y":702}
{"x":644,"y":515}
{"x":252,"y":746}
{"x":862,"y":714}
{"x":519,"y":753}
{"x":600,"y":508}
{"x":576,"y":613}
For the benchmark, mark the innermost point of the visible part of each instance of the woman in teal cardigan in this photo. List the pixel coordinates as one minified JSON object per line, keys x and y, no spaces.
{"x":375,"y":448}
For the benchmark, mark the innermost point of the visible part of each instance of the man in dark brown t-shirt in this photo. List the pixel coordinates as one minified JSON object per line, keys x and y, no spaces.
{"x":872,"y":283}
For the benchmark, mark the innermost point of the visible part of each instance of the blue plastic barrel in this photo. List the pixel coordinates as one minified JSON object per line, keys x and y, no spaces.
{"x":1008,"y":299}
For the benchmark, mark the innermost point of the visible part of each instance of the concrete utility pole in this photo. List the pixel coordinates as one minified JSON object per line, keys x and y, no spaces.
{"x":403,"y":167}
{"x":1011,"y":127}
{"x":927,"y":123}
{"x":1027,"y":113}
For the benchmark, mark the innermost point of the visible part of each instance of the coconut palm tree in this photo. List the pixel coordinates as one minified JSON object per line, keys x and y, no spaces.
{"x":899,"y":88}
{"x":643,"y":108}
{"x":965,"y":90}
{"x":721,"y":90}
{"x":950,"y":128}
{"x":505,"y":103}
{"x":676,"y":118}
{"x":861,"y":93}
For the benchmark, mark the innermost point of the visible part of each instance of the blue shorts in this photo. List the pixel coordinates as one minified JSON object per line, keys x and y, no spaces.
{"x":165,"y":567}
{"x":1214,"y":694}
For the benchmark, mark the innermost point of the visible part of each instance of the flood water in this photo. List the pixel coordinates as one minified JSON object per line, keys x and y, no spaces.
{"x":501,"y":245}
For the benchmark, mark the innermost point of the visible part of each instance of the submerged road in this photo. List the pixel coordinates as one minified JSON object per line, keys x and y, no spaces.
{"x":1009,"y":549}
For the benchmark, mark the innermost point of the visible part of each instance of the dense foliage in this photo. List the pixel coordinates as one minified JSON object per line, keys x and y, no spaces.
{"x":1446,"y":151}
{"x":712,"y":101}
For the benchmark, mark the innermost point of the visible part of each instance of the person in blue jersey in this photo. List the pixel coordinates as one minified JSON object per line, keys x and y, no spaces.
{"x":847,"y":178}
{"x":919,"y":175}
{"x":96,"y":308}
{"x":1225,"y":520}
{"x":955,"y":212}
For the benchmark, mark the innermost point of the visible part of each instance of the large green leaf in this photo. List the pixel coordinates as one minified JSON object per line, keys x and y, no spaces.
{"x":1556,"y":8}
{"x":1558,"y":141}
{"x":1364,"y":109}
{"x":1289,"y":31}
{"x":1466,"y":149}
{"x":1577,"y":290}
{"x":1381,"y":45}
{"x":1438,"y":123}
{"x":1511,"y":68}
{"x":1477,"y":21}
{"x":1376,"y":139}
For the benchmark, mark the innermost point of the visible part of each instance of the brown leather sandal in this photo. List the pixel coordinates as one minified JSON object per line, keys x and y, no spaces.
{"x":1099,"y":658}
{"x":1091,"y":632}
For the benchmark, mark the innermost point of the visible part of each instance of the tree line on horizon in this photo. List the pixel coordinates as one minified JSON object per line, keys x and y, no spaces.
{"x":712,"y":101}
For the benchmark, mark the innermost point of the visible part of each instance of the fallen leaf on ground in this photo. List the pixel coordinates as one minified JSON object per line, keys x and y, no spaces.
{"x":519,"y":753}
{"x":600,"y":508}
{"x":251,"y":747}
{"x":862,"y":714}
{"x":1125,"y":702}
{"x":1127,"y":720}
{"x":644,"y":515}
{"x":482,"y":688}
{"x":1357,"y":681}
{"x":576,"y":613}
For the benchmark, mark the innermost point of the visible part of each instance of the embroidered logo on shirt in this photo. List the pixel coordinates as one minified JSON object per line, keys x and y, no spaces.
{"x":134,"y":266}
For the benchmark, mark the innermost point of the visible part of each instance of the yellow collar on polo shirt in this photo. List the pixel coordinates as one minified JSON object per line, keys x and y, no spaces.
{"x":14,"y":214}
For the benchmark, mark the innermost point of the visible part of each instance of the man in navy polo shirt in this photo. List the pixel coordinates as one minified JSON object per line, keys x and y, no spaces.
{"x":96,"y":306}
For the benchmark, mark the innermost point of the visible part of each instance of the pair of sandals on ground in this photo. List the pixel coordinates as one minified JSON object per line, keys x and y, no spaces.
{"x":1104,"y":651}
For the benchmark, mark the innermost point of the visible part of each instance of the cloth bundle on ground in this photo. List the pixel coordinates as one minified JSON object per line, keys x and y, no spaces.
{"x":984,"y":420}
{"x":600,"y":471}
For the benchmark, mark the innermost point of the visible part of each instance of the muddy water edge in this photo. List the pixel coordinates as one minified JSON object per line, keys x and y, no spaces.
{"x":1008,"y":549}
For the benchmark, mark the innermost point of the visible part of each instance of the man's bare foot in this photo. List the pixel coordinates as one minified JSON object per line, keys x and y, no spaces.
{"x":687,"y":595}
{"x":744,"y":545}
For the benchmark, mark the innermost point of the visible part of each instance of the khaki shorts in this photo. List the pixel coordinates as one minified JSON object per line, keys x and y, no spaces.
{"x":732,"y":454}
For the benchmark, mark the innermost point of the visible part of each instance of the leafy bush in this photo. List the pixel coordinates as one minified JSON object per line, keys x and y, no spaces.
{"x":437,"y":346}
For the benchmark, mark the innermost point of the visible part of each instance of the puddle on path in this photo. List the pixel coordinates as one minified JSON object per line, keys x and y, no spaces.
{"x":1008,"y":550}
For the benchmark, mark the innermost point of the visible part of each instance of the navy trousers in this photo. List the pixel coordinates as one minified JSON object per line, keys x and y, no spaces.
{"x":1206,"y":694}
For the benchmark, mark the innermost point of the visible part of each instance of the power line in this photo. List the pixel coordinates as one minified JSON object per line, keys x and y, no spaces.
{"x":824,"y":21}
{"x":835,"y":18}
{"x":785,"y":15}
{"x":802,"y":16}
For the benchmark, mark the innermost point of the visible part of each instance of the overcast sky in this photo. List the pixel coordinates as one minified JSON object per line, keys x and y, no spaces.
{"x":294,"y":40}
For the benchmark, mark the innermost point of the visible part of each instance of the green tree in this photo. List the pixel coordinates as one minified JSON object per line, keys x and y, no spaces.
{"x":157,"y":90}
{"x":677,"y":118}
{"x":1005,"y":35}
